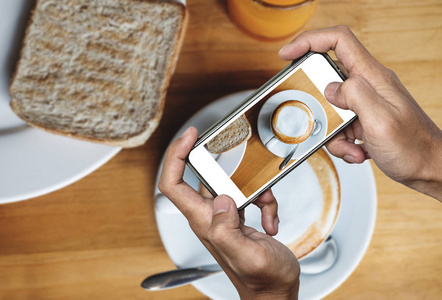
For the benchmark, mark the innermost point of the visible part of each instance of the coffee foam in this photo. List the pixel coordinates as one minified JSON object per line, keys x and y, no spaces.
{"x":293,"y":121}
{"x":296,"y":122}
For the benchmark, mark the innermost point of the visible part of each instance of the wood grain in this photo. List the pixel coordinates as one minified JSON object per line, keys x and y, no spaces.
{"x":97,"y":238}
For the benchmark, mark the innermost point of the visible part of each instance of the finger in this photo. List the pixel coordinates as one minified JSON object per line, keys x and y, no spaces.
{"x":204,"y":192}
{"x":225,"y":233}
{"x":364,"y":148}
{"x":342,"y":68}
{"x":349,"y":134}
{"x":177,"y":152}
{"x":269,"y":212}
{"x":341,"y":147}
{"x":340,"y":39}
{"x":242,"y":217}
{"x":171,"y":181}
{"x":357,"y":129}
{"x":231,"y":248}
{"x":248,"y":231}
{"x":357,"y":95}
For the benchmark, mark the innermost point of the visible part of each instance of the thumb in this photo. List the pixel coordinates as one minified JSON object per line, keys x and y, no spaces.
{"x":225,"y":232}
{"x":355,"y":94}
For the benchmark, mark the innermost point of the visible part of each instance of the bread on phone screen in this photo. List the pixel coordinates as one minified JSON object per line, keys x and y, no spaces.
{"x":98,"y":69}
{"x":233,"y":135}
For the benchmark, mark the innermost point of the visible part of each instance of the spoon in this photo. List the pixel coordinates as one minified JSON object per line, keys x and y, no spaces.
{"x":316,"y":129}
{"x":320,"y":260}
{"x":179,"y":277}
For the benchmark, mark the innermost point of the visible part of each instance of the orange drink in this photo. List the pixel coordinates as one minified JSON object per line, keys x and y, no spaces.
{"x":271,"y":19}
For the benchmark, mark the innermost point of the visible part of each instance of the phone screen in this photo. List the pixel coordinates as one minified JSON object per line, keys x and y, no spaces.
{"x":291,"y":119}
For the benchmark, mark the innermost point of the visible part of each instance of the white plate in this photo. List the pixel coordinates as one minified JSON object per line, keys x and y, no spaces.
{"x":34,"y":162}
{"x":265,"y":132}
{"x":352,"y":232}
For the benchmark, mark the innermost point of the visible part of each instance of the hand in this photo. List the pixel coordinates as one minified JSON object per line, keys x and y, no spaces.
{"x":396,"y":133}
{"x":259,"y":266}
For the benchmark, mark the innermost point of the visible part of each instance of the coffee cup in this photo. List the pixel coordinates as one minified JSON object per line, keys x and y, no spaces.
{"x":292,"y":122}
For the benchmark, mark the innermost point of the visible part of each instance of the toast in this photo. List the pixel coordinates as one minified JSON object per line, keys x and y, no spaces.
{"x":98,"y":69}
{"x":233,"y":135}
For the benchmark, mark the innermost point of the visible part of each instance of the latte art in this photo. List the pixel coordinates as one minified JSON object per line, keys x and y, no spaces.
{"x":293,"y":121}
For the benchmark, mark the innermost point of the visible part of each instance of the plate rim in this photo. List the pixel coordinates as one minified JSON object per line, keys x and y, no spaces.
{"x":16,"y":132}
{"x":37,"y":192}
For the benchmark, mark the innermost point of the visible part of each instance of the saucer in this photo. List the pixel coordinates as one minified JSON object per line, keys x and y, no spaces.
{"x":352,"y":231}
{"x":265,"y":133}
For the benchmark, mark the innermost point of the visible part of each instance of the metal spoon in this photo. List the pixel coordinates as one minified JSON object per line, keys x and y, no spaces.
{"x":320,"y":260}
{"x":179,"y":277}
{"x":316,"y":129}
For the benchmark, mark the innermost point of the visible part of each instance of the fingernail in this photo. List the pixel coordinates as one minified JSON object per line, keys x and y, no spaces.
{"x":276,"y":224}
{"x":221,"y":204}
{"x":283,"y":49}
{"x":350,"y":159}
{"x":185,"y":133}
{"x":330,"y":90}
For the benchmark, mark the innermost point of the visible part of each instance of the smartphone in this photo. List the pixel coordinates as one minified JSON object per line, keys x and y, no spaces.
{"x":272,"y":131}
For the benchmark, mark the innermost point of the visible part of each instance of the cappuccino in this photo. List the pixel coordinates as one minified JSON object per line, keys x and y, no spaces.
{"x":292,"y":122}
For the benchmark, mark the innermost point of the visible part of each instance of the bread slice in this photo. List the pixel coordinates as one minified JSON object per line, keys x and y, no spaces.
{"x":98,"y":69}
{"x":233,"y":135}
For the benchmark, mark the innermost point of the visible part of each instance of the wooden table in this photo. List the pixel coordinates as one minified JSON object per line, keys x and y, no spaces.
{"x":97,"y":238}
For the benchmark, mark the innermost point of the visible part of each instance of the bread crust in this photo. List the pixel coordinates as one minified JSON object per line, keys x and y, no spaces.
{"x":20,"y":54}
{"x":249,"y":134}
{"x":134,"y":140}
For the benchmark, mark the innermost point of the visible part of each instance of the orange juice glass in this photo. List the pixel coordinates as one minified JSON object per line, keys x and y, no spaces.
{"x":271,"y":19}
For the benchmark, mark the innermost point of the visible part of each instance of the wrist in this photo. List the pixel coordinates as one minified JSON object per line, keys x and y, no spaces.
{"x":271,"y":296}
{"x":279,"y":294}
{"x":429,"y":181}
